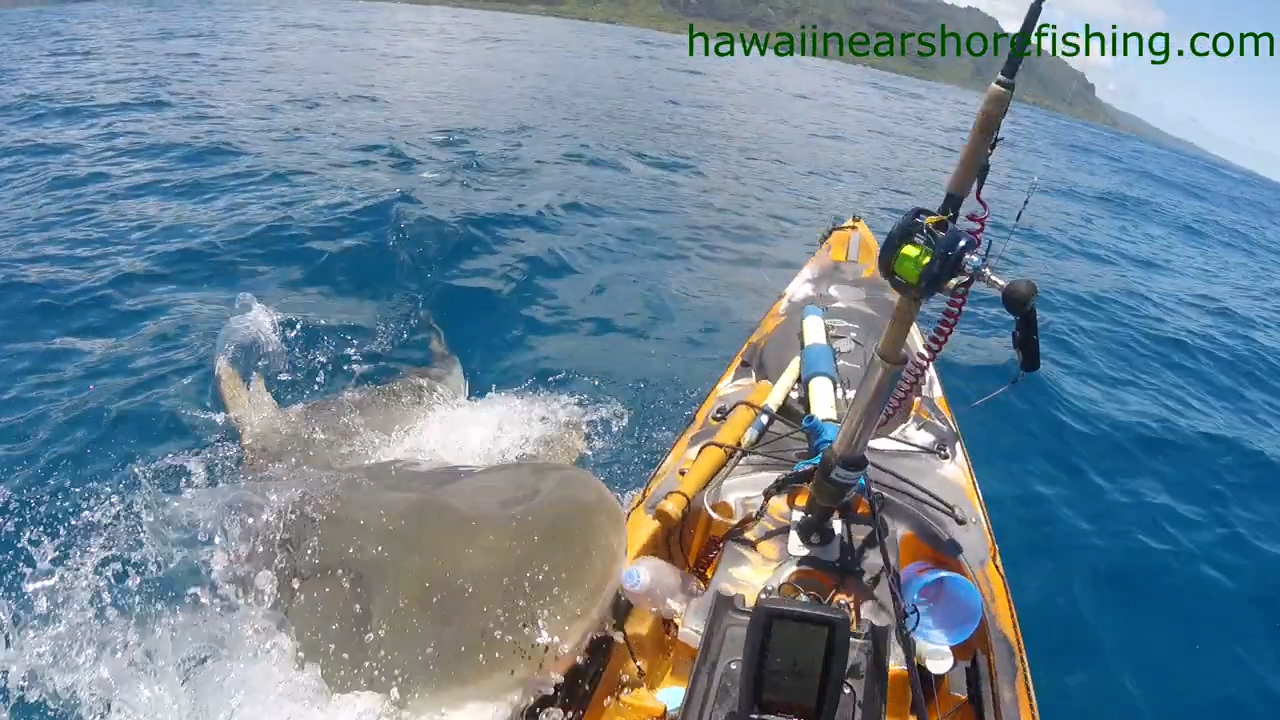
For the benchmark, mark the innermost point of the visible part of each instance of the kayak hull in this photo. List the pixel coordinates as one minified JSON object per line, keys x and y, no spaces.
{"x":706,"y":482}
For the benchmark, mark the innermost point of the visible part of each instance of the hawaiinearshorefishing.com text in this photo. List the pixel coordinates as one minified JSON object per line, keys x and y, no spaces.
{"x":1046,"y":40}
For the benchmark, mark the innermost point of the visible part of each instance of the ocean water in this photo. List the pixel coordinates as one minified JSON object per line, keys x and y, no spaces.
{"x":596,"y":221}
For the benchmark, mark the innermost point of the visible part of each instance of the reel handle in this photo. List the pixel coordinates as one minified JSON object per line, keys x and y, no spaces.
{"x":1019,"y":300}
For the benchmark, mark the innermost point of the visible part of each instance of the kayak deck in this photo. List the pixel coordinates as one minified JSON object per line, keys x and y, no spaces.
{"x":707,"y":484}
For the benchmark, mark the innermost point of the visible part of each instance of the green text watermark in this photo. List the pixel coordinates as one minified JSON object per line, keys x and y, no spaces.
{"x":1046,"y":40}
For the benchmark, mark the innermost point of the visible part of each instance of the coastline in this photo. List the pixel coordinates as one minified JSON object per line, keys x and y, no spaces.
{"x":662,"y":21}
{"x":649,"y":16}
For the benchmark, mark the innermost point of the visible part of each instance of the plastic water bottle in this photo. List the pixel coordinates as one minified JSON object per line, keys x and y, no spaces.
{"x":654,"y":584}
{"x":947,"y":607}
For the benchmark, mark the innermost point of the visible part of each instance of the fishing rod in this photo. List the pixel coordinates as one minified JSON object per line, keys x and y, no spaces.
{"x":926,"y":252}
{"x":975,"y":159}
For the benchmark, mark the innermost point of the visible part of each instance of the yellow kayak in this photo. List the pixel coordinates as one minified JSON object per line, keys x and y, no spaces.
{"x":815,"y":545}
{"x":690,"y":514}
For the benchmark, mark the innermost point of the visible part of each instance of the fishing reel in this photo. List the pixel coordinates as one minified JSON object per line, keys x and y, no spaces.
{"x":923,"y":253}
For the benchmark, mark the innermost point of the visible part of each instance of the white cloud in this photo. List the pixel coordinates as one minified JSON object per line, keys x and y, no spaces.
{"x":1187,"y":100}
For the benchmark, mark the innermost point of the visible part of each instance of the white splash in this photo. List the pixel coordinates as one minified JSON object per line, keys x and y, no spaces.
{"x":507,"y":427}
{"x":122,"y":616}
{"x":255,"y":327}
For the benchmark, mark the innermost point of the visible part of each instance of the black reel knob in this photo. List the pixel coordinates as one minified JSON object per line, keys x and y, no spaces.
{"x":1019,"y":299}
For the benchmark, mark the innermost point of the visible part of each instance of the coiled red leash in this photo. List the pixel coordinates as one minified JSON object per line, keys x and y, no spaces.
{"x":915,"y":370}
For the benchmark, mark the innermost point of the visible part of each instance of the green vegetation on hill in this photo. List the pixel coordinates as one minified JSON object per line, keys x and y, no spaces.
{"x":1045,"y":81}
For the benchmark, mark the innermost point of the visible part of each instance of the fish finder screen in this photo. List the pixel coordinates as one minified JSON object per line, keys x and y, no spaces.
{"x":791,"y":669}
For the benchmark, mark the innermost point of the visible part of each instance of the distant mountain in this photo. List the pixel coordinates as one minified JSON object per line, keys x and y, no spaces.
{"x":1045,"y":81}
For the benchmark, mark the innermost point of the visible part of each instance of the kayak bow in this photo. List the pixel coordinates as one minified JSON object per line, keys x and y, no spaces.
{"x":697,"y":509}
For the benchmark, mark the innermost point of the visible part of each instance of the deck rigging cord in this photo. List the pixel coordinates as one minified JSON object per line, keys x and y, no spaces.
{"x":798,"y":476}
{"x":900,"y":608}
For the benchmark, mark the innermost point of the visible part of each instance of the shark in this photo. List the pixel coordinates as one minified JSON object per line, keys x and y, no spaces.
{"x":356,"y":425}
{"x":437,"y":586}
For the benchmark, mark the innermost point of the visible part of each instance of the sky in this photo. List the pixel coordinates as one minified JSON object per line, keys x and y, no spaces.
{"x":1229,"y":106}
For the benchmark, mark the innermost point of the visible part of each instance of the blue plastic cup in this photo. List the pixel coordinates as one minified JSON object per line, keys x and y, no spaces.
{"x":943,"y":607}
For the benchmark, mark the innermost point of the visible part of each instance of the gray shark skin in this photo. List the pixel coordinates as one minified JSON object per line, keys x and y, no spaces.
{"x":438,"y":586}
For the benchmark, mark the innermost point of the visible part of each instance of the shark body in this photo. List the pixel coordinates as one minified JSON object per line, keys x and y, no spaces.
{"x":437,"y":585}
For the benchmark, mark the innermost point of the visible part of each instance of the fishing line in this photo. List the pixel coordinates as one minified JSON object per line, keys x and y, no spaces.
{"x":1017,"y":220}
{"x":1035,"y":183}
{"x":1010,"y":384}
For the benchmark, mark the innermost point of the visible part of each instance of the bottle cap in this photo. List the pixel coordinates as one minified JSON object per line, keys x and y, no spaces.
{"x":635,"y":579}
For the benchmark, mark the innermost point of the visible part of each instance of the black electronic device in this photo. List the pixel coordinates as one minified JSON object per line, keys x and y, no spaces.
{"x":794,"y":660}
{"x":781,"y":658}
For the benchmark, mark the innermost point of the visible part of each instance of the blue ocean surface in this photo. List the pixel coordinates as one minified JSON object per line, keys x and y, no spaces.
{"x":596,"y":221}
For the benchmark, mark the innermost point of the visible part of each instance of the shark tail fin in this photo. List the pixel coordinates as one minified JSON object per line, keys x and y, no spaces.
{"x":247,"y":404}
